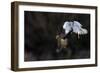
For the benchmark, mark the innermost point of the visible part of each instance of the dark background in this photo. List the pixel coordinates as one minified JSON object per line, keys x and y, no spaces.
{"x":41,"y":29}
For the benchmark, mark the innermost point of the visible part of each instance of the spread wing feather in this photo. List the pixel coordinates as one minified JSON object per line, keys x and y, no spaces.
{"x":67,"y":27}
{"x":77,"y":28}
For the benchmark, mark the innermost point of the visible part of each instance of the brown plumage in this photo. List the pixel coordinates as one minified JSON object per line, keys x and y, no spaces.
{"x":62,"y":43}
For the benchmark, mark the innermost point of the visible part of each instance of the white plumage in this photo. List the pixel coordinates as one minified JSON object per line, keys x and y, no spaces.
{"x":75,"y":26}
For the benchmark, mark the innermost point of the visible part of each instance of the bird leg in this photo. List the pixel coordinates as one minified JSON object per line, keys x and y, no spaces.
{"x":78,"y":36}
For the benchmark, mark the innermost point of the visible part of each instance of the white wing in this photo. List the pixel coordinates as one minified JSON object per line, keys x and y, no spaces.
{"x":67,"y":27}
{"x":77,"y":28}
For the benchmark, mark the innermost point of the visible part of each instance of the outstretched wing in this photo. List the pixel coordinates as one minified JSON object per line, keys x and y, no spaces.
{"x":77,"y":28}
{"x":67,"y":27}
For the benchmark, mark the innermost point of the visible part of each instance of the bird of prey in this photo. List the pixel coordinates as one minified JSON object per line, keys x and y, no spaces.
{"x":75,"y":27}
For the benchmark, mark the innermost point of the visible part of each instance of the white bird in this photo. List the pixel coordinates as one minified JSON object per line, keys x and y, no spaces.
{"x":75,"y":26}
